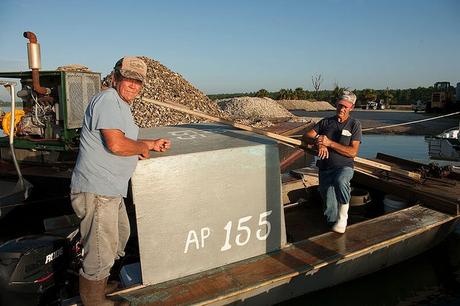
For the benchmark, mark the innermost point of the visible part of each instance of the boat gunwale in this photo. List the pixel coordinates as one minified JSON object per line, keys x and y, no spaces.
{"x":307,"y":268}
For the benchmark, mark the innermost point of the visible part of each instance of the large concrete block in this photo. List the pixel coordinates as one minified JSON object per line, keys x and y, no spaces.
{"x":213,"y":199}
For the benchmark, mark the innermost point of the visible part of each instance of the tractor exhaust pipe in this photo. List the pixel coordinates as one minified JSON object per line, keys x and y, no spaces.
{"x":33,"y":52}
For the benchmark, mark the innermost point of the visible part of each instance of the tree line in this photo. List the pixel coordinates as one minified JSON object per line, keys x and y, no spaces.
{"x":389,"y":96}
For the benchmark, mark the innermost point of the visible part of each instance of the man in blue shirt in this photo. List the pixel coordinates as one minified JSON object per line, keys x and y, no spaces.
{"x":108,"y":154}
{"x":337,"y":139}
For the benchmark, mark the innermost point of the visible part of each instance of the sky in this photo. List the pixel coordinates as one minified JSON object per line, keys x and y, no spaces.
{"x":242,"y":46}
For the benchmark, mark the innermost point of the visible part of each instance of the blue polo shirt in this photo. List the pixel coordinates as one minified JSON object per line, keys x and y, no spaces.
{"x":97,"y":169}
{"x":341,"y":132}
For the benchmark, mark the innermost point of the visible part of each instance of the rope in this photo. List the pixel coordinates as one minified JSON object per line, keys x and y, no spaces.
{"x":410,"y":122}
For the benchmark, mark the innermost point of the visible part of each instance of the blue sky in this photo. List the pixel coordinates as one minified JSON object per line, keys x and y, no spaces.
{"x":240,"y":46}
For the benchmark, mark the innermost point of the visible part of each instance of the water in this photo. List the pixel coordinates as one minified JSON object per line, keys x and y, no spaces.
{"x":408,"y":147}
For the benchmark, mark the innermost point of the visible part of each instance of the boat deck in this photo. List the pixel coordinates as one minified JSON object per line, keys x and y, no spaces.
{"x":314,"y":249}
{"x":230,"y":283}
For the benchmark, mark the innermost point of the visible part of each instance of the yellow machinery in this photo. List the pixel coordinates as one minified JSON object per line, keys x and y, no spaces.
{"x":443,"y":97}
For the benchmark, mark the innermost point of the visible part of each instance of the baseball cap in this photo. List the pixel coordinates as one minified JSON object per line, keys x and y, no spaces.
{"x":347,"y":98}
{"x":132,"y":67}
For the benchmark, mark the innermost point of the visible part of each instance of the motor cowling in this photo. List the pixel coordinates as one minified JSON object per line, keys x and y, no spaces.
{"x":29,"y":266}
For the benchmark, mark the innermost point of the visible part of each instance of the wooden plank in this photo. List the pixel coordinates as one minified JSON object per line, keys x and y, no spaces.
{"x":288,"y":159}
{"x":232,"y":280}
{"x":285,"y":139}
{"x":369,"y":163}
{"x":289,"y":128}
{"x":441,"y":189}
{"x":414,"y":165}
{"x":406,"y":190}
{"x":400,"y":161}
{"x":291,"y":158}
{"x":181,"y":108}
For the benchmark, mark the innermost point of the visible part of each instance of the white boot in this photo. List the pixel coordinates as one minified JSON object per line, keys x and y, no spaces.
{"x":341,"y":224}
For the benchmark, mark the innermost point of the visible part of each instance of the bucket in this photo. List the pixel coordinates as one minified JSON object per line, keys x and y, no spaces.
{"x":359,"y":202}
{"x":393,"y":203}
{"x":359,"y":197}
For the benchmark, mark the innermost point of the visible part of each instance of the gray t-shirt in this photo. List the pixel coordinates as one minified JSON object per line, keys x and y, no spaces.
{"x":341,"y":132}
{"x":97,"y":169}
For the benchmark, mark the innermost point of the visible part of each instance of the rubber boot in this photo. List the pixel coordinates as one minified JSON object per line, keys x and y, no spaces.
{"x":112,"y":286}
{"x":92,"y":293}
{"x":341,"y":224}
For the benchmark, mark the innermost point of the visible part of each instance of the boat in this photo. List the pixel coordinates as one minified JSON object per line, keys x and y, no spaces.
{"x":225,"y":225}
{"x":312,"y":256}
{"x":445,"y":146}
{"x":309,"y":258}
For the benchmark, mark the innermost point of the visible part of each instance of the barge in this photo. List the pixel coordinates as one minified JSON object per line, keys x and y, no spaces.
{"x":219,"y":219}
{"x":310,"y":257}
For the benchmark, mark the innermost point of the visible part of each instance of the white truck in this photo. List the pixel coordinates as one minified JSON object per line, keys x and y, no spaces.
{"x":419,"y":106}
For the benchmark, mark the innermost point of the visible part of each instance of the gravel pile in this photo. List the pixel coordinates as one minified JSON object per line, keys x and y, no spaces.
{"x":309,"y":106}
{"x":165,"y":85}
{"x":252,"y":108}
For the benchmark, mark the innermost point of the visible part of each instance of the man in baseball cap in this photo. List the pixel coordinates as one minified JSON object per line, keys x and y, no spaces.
{"x":132,"y":68}
{"x":337,"y":139}
{"x":108,"y":154}
{"x":348,"y":99}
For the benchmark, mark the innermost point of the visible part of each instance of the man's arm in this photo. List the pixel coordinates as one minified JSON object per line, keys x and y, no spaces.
{"x":311,"y":138}
{"x":349,"y":151}
{"x":117,"y":143}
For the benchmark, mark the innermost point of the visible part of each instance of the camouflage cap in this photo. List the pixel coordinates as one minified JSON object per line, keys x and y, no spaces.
{"x":132,"y":67}
{"x":347,"y":98}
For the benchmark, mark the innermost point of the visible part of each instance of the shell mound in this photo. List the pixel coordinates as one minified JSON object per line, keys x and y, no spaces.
{"x":253,"y":108}
{"x":306,"y":105}
{"x":165,"y":85}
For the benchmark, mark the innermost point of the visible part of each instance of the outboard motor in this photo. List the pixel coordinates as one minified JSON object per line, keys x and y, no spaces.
{"x":39,"y":269}
{"x":29,"y":267}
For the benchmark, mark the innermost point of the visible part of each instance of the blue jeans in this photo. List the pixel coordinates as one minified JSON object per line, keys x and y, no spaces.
{"x":335,"y":189}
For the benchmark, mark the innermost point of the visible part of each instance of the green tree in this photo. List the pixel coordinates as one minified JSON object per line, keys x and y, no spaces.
{"x":282,"y":94}
{"x":337,"y":92}
{"x":299,"y":93}
{"x":387,"y":96}
{"x":369,"y":94}
{"x":262,"y":93}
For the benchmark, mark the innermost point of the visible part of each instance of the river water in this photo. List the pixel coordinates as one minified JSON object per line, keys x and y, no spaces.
{"x":409,"y":147}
